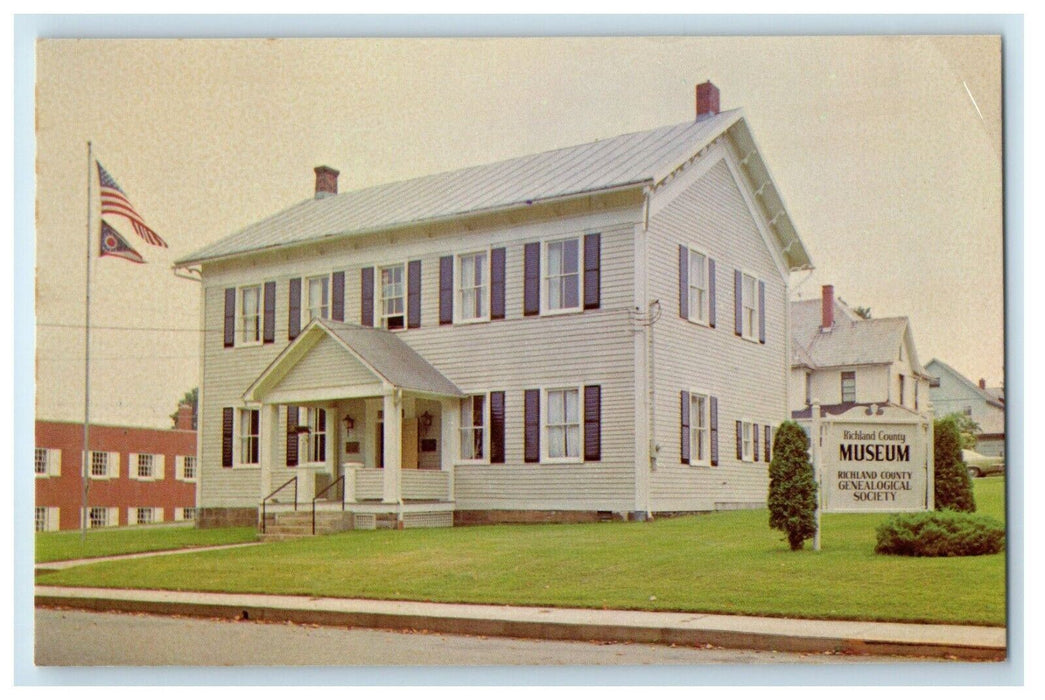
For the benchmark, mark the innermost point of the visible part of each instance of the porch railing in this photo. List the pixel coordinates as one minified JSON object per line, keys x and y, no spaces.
{"x":265,"y":500}
{"x":339,"y":480}
{"x":368,"y":484}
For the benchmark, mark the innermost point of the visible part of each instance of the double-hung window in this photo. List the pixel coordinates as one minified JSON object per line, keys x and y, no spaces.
{"x":317,"y":298}
{"x":41,"y":463}
{"x":250,"y":315}
{"x":562,"y":276}
{"x":473,"y":287}
{"x":473,"y":424}
{"x":100,"y":464}
{"x":698,"y":287}
{"x":749,"y":307}
{"x":848,"y":387}
{"x":146,"y":466}
{"x":98,"y":517}
{"x":563,"y":423}
{"x":700,"y":440}
{"x":747,"y":435}
{"x":249,"y":438}
{"x":144,"y":516}
{"x":392,"y":300}
{"x":41,"y":518}
{"x":185,"y":467}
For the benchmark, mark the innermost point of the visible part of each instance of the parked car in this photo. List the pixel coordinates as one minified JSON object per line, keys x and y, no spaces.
{"x":981,"y":465}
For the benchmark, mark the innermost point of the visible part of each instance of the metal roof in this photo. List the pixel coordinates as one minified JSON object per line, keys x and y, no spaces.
{"x":851,"y":341}
{"x":630,"y":160}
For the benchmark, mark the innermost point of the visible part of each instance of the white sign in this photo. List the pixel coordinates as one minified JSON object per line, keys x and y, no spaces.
{"x":874,"y":466}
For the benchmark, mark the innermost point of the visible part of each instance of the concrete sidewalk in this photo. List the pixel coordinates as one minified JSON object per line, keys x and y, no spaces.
{"x":691,"y":629}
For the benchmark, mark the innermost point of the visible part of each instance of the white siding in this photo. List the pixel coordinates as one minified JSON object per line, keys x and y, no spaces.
{"x":326,"y":363}
{"x":748,"y":378}
{"x":511,"y":355}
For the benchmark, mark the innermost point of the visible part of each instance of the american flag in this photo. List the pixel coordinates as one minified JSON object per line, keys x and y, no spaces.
{"x":112,"y":243}
{"x":114,"y":201}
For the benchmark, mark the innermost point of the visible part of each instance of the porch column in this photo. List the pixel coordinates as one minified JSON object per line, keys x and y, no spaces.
{"x":393,"y":420}
{"x":269,"y":445}
{"x":448,"y":419}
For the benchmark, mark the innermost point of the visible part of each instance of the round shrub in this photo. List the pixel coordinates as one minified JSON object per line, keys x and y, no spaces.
{"x":792,"y":489}
{"x":951,"y":482}
{"x":944,"y":533}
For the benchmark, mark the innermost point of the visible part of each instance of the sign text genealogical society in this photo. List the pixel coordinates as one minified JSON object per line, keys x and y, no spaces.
{"x":874,"y":468}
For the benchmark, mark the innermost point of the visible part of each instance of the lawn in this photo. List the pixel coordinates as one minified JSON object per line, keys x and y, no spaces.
{"x":58,"y":546}
{"x":728,"y":562}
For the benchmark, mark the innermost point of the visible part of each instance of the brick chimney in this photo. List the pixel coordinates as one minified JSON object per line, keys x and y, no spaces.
{"x":983,"y":383}
{"x":707,"y":100}
{"x":827,"y":307}
{"x":326,"y":181}
{"x":184,"y":421}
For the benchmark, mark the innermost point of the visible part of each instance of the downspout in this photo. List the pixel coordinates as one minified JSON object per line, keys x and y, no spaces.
{"x":651,"y":431}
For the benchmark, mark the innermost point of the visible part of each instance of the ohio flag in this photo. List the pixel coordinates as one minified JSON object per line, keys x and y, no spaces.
{"x":113,"y":244}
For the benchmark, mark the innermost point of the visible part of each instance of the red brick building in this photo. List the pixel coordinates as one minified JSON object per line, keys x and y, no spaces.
{"x":138,"y":475}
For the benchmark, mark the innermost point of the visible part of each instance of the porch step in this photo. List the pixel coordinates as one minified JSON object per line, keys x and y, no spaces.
{"x":293,"y":525}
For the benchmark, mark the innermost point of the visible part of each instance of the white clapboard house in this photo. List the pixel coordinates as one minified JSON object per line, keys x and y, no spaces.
{"x":597,"y":331}
{"x":844,"y":361}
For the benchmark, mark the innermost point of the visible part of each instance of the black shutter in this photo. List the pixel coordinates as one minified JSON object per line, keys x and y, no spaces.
{"x":292,"y":436}
{"x":592,"y":269}
{"x":711,"y":292}
{"x":769,"y":443}
{"x":684,"y":283}
{"x":740,"y":439}
{"x":761,"y":311}
{"x":532,"y":432}
{"x":230,"y":317}
{"x":713,"y":420}
{"x":226,"y":436}
{"x":294,"y":309}
{"x":592,"y":423}
{"x":269,"y":330}
{"x":366,"y":294}
{"x":738,"y":304}
{"x":532,"y":279}
{"x":413,"y":294}
{"x":255,"y":429}
{"x":497,"y":427}
{"x":754,"y":437}
{"x":446,"y":290}
{"x":684,"y":425}
{"x":337,"y":294}
{"x":497,"y":283}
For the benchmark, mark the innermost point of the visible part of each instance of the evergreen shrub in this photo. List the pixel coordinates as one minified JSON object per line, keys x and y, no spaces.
{"x":940,"y":534}
{"x":792,"y":489}
{"x":952,"y":483}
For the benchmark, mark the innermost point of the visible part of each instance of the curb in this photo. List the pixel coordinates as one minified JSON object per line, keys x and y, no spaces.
{"x":766,"y":634}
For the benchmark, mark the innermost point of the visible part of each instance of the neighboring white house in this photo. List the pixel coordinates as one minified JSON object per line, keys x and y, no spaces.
{"x":596,"y":331}
{"x":841,"y":360}
{"x":984,"y":404}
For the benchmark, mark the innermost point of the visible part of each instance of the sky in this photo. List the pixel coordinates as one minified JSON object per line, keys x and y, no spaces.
{"x":887,"y":151}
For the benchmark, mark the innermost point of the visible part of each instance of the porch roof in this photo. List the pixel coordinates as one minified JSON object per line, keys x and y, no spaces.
{"x":383,"y":353}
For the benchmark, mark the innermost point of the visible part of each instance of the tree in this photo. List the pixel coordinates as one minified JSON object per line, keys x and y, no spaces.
{"x":792,"y":489}
{"x":952,"y":484}
{"x":863,"y":312}
{"x":967,"y":427}
{"x":190,"y":397}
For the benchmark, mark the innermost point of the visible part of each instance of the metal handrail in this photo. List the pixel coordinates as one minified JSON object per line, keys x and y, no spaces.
{"x":339,"y":480}
{"x":264,"y":501}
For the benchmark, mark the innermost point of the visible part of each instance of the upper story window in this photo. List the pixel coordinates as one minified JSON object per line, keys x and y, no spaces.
{"x":967,"y":410}
{"x":317,"y":298}
{"x":473,"y":423}
{"x":848,"y":387}
{"x":562,"y":426}
{"x":700,"y":441}
{"x":472,"y":287}
{"x":249,"y":437}
{"x":45,"y":462}
{"x":185,"y":467}
{"x":392,"y":299}
{"x":562,"y":274}
{"x":809,"y":388}
{"x":698,"y":287}
{"x":104,"y":465}
{"x":146,"y":467}
{"x":749,"y":307}
{"x":249,"y":318}
{"x":903,"y":384}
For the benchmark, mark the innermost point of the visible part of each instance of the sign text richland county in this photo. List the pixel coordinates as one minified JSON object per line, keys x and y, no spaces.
{"x":874,"y":468}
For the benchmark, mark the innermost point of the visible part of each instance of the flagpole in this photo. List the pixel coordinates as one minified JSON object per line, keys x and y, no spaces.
{"x":84,"y":481}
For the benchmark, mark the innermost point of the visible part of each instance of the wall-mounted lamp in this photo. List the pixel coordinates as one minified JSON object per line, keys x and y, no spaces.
{"x":425,"y":420}
{"x":349,"y":423}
